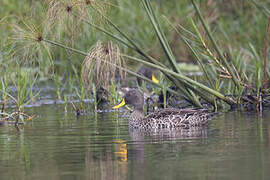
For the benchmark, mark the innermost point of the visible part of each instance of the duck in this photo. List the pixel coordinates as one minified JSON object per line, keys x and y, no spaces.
{"x":148,"y":73}
{"x":171,"y":118}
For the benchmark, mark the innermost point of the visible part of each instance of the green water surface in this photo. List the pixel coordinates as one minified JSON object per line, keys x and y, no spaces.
{"x":59,"y":145}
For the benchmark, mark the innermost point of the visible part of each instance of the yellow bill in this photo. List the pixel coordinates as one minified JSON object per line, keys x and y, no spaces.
{"x":154,"y":79}
{"x":122,"y":103}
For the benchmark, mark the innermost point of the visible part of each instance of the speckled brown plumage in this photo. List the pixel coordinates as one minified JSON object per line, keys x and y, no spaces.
{"x":164,"y":118}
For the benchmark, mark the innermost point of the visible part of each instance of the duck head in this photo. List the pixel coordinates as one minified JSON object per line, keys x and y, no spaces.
{"x":133,"y":98}
{"x":147,"y":72}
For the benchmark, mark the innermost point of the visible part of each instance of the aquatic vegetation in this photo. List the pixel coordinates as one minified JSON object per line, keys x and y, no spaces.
{"x":57,"y":86}
{"x":94,"y":90}
{"x":4,"y":93}
{"x":190,"y":88}
{"x":79,"y":88}
{"x":227,"y":80}
{"x":22,"y":96}
{"x":113,"y":91}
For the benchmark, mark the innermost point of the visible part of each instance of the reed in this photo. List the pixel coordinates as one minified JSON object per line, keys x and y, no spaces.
{"x":114,"y":96}
{"x":94,"y":90}
{"x":57,"y":86}
{"x":4,"y":93}
{"x":81,"y":93}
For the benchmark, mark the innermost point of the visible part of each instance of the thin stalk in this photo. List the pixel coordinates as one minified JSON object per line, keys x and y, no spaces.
{"x":166,"y":48}
{"x":3,"y":105}
{"x":114,"y":98}
{"x":258,"y":65}
{"x":223,"y":59}
{"x":183,"y":29}
{"x":4,"y":89}
{"x":104,"y":31}
{"x":65,"y":47}
{"x":95,"y":96}
{"x":82,"y":95}
{"x":265,"y":11}
{"x":163,"y":41}
{"x":265,"y":54}
{"x":65,"y":102}
{"x":70,"y":87}
{"x":82,"y":92}
{"x":193,"y":52}
{"x":197,"y":57}
{"x":164,"y":92}
{"x":57,"y":85}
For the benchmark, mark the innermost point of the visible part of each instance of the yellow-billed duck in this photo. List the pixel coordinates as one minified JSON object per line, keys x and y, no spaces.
{"x":162,"y":118}
{"x":148,"y":73}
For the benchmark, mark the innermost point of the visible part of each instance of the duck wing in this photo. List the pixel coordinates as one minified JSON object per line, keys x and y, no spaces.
{"x":173,"y":118}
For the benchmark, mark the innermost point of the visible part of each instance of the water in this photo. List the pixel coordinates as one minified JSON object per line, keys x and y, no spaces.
{"x":58,"y":145}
